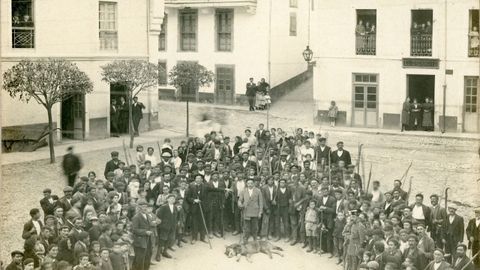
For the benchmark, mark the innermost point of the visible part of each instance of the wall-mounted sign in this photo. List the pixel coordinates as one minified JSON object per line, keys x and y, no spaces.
{"x":420,"y":63}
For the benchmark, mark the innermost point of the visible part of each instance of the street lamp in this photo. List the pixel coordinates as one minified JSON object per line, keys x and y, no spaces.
{"x":307,"y":54}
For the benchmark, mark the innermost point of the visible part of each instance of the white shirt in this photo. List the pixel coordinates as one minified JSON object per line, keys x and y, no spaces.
{"x":171,"y":207}
{"x":339,"y":153}
{"x":283,"y":189}
{"x":36,"y":224}
{"x":217,"y":154}
{"x":215,"y":184}
{"x":387,"y":204}
{"x":240,"y":186}
{"x":417,"y":212}
{"x":324,"y":199}
{"x":477,"y":222}
{"x":250,"y":191}
{"x":451,"y":218}
{"x":182,"y":193}
{"x":436,"y":265}
{"x":270,"y":190}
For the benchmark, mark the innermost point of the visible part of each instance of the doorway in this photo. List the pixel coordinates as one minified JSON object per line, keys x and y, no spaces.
{"x":119,"y":117}
{"x":365,"y":100}
{"x":73,"y":117}
{"x":420,"y":87}
{"x":224,"y":85}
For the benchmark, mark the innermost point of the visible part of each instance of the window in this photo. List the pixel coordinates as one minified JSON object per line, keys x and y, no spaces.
{"x":365,"y":87}
{"x":162,"y":73}
{"x":107,"y":25}
{"x":293,"y":3}
{"x":293,"y":24}
{"x":224,"y":20}
{"x":365,"y":32}
{"x":471,"y":94}
{"x":473,"y":37}
{"x":188,"y":30}
{"x":225,"y":79}
{"x":162,"y":41}
{"x":421,"y":33}
{"x":23,"y":30}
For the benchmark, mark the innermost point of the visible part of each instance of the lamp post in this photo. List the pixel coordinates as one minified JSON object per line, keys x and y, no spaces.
{"x":308,"y":54}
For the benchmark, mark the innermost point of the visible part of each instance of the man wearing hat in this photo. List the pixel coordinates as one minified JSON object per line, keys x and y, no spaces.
{"x":341,"y":154}
{"x":323,"y":152}
{"x":166,"y":161}
{"x":142,"y":242}
{"x":71,"y":165}
{"x":251,"y":203}
{"x":355,"y":238}
{"x":47,"y":203}
{"x":215,"y":205}
{"x":418,"y":258}
{"x":473,"y":235}
{"x":17,"y":258}
{"x":34,"y":226}
{"x":282,"y":163}
{"x":350,"y":173}
{"x":437,"y":219}
{"x":168,"y":215}
{"x":112,"y":164}
{"x":425,"y":243}
{"x":454,"y":231}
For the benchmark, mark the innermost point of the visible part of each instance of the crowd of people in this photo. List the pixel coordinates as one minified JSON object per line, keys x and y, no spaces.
{"x":266,"y":185}
{"x":119,"y":116}
{"x":258,"y":95}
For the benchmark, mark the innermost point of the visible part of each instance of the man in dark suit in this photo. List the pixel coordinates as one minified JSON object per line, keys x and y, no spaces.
{"x":269,"y":192}
{"x":326,"y":208}
{"x":197,"y":195}
{"x":215,"y":205}
{"x":388,"y":204}
{"x":260,"y":135}
{"x":251,"y":93}
{"x":251,"y":201}
{"x":142,"y":242}
{"x":418,"y":258}
{"x":167,"y":214}
{"x":437,"y":219}
{"x":114,"y":115}
{"x":137,"y":114}
{"x":47,"y":202}
{"x":341,"y":154}
{"x":420,"y":212}
{"x":323,"y":152}
{"x":454,"y":231}
{"x":34,"y":226}
{"x":71,"y":164}
{"x":112,"y":164}
{"x":461,"y":259}
{"x":283,"y":198}
{"x":473,"y":235}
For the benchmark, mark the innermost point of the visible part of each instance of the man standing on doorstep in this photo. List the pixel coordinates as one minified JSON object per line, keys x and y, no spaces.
{"x":251,"y":93}
{"x":137,"y":114}
{"x":71,"y":165}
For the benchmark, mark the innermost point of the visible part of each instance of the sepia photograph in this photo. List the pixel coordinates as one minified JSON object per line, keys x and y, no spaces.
{"x":240,"y":134}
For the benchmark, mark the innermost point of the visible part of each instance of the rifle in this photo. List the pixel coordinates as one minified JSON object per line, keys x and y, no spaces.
{"x":446,"y":198}
{"x":159,"y":151}
{"x":204,"y":223}
{"x":369,"y":177}
{"x":470,"y":261}
{"x":363,"y":171}
{"x":329,"y":170}
{"x":409,"y":188}
{"x":358,"y":158}
{"x":125,"y":153}
{"x":406,"y":173}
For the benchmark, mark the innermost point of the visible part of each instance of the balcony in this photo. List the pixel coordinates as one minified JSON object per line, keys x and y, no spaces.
{"x":421,"y":44}
{"x":473,"y":45}
{"x":23,"y":37}
{"x":250,"y":5}
{"x":366,"y":44}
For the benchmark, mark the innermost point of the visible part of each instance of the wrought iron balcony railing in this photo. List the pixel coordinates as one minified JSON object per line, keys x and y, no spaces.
{"x":366,"y":44}
{"x":473,"y":45}
{"x":421,"y":44}
{"x":23,"y":37}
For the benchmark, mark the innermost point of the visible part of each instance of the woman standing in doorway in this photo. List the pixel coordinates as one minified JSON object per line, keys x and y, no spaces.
{"x":415,"y":114}
{"x":427,"y":115}
{"x":406,"y":114}
{"x":332,"y":113}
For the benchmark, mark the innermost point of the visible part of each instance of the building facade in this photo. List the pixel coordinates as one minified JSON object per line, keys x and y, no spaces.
{"x":92,"y":34}
{"x":236,"y":39}
{"x":371,"y":55}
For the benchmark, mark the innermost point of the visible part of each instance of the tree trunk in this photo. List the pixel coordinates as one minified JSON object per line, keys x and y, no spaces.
{"x":50,"y":135}
{"x":188,"y":118}
{"x":130,"y":119}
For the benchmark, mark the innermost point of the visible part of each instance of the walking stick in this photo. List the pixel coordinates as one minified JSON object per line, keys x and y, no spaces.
{"x":363,"y":170}
{"x":159,"y":151}
{"x":358,"y":158}
{"x":329,"y":170}
{"x":204,"y":223}
{"x":446,"y":198}
{"x":125,"y":153}
{"x":409,"y":188}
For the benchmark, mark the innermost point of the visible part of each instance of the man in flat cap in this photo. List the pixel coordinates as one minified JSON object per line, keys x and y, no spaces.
{"x":461,"y":259}
{"x":17,"y":258}
{"x":112,"y":164}
{"x":473,"y":235}
{"x":71,"y":165}
{"x":322,"y":153}
{"x":454,"y":231}
{"x":341,"y":154}
{"x":168,"y":215}
{"x":47,"y":202}
{"x":355,"y":238}
{"x":142,"y":237}
{"x":417,"y":257}
{"x":438,"y":217}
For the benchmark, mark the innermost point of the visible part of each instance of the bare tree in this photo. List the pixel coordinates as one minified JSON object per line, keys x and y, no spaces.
{"x":47,"y":81}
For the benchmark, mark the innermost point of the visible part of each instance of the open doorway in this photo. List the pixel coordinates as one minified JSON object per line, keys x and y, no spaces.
{"x":421,"y":88}
{"x":118,"y":109}
{"x":73,"y":117}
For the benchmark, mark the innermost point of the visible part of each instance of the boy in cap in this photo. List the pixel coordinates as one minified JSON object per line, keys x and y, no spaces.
{"x":17,"y":258}
{"x":113,"y":164}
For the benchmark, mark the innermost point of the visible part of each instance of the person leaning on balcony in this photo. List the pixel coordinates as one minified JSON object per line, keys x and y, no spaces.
{"x":406,"y":114}
{"x":428,"y":28}
{"x":474,"y":38}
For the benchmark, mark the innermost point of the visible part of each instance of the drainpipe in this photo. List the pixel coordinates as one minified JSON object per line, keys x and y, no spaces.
{"x":445,"y":71}
{"x":269,"y":55}
{"x":149,"y":102}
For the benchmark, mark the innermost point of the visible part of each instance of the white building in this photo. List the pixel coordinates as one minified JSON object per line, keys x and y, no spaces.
{"x":236,"y":39}
{"x":414,"y":48}
{"x":89,"y":33}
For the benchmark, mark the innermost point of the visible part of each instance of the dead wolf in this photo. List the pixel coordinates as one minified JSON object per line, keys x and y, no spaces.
{"x":250,"y":248}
